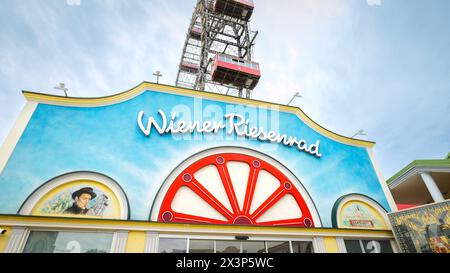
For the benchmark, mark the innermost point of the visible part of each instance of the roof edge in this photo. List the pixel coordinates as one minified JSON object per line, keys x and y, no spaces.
{"x":137,"y":90}
{"x":420,"y":163}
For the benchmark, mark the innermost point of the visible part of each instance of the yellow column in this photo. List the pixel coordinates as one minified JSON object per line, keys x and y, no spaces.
{"x":331,"y":245}
{"x":4,"y":238}
{"x":136,"y":242}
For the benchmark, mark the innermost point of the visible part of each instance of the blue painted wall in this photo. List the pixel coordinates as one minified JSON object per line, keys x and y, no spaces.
{"x":108,"y":140}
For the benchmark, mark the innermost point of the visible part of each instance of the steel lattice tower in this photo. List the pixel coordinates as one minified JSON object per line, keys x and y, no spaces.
{"x":217,"y":54}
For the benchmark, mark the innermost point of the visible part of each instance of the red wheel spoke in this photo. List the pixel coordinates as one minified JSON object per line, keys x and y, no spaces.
{"x":181,"y":217}
{"x":252,"y":178}
{"x":209,"y":198}
{"x":228,"y":185}
{"x":266,"y":205}
{"x":298,"y":222}
{"x":233,"y":213}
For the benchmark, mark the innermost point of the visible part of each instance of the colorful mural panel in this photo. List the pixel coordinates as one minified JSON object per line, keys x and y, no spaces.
{"x":78,"y":194}
{"x":359,"y":215}
{"x":359,"y":212}
{"x":78,"y":201}
{"x":424,"y":229}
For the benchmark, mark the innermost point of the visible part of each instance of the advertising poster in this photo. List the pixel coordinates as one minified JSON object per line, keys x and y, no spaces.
{"x":424,"y":229}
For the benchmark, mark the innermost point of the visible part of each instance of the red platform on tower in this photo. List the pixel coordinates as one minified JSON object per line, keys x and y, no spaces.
{"x":196,"y":33}
{"x":238,"y":72}
{"x":241,"y":9}
{"x":189,"y":67}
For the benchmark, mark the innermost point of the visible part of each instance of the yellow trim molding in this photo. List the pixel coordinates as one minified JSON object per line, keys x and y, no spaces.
{"x":147,"y":86}
{"x":4,"y":238}
{"x":41,"y":222}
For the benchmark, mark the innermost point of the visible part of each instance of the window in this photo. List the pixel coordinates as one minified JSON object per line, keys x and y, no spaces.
{"x":253,"y":247}
{"x":172,"y":245}
{"x":278,"y":247}
{"x":228,"y":247}
{"x":68,"y":242}
{"x":184,"y":245}
{"x":353,"y":246}
{"x":302,"y":247}
{"x":383,"y":246}
{"x":201,"y":246}
{"x":368,"y":246}
{"x":238,"y":62}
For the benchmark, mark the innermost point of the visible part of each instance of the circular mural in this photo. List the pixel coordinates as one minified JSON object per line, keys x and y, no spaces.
{"x":358,"y":211}
{"x":78,"y":194}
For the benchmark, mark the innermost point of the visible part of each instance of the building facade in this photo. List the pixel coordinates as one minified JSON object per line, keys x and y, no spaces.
{"x":420,"y":190}
{"x":166,"y":169}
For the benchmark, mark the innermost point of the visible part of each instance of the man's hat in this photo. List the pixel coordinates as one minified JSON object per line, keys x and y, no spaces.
{"x":87,"y":190}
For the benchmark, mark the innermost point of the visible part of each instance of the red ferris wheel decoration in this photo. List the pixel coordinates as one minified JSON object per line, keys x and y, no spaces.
{"x":250,"y":207}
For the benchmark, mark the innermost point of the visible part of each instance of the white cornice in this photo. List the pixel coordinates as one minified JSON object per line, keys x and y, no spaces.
{"x":414,"y":170}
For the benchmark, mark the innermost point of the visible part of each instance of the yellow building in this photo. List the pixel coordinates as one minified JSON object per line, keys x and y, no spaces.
{"x":165,"y":169}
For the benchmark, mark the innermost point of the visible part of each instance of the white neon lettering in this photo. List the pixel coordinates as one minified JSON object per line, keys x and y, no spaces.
{"x":237,"y":124}
{"x":152,"y":122}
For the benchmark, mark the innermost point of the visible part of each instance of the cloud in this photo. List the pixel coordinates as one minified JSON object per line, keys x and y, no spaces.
{"x":374,"y":2}
{"x":73,"y":2}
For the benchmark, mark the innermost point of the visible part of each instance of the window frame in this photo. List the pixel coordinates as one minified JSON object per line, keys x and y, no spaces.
{"x":360,"y":239}
{"x":213,"y":238}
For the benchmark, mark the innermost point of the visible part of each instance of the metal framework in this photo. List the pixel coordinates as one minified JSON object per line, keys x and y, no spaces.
{"x":213,"y":32}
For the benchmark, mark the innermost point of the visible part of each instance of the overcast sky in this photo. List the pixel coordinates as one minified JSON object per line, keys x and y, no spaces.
{"x":378,"y":65}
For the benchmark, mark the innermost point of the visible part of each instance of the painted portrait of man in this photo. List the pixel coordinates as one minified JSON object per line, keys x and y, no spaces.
{"x":81,"y":198}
